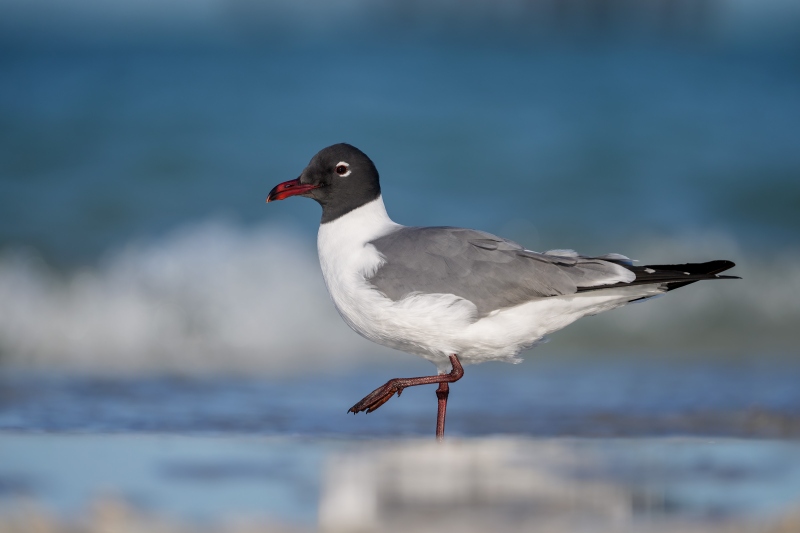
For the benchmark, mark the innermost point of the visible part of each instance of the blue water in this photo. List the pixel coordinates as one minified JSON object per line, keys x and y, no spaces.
{"x":133,"y":178}
{"x":582,"y":146}
{"x":134,"y":238}
{"x":544,"y":397}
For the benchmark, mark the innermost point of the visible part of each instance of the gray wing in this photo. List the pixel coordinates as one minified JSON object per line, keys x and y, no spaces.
{"x":489,"y":271}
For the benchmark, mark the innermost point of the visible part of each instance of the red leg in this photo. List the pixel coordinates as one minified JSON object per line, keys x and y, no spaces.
{"x":382,"y":394}
{"x":441,"y":393}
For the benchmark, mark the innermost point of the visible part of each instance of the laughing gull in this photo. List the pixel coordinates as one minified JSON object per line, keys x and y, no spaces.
{"x":454,"y":295}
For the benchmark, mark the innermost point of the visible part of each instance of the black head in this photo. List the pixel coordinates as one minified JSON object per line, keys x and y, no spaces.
{"x":340,"y":178}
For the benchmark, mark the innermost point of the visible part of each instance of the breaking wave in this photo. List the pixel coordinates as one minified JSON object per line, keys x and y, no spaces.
{"x":208,"y":297}
{"x":216,"y":297}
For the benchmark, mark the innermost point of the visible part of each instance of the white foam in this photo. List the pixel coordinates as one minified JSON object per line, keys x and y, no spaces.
{"x":209,"y":297}
{"x":214,"y":297}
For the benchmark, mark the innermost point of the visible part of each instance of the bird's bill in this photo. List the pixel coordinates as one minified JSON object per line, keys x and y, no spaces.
{"x":289,"y":188}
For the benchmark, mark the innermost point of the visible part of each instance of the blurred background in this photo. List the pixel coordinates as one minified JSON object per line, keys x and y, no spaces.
{"x":147,"y":292}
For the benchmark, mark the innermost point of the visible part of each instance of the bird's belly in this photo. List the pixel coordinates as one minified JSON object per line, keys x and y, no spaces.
{"x":429,"y":325}
{"x":432,"y":326}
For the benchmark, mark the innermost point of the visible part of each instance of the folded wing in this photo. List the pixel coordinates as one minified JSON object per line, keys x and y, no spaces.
{"x":491,"y":272}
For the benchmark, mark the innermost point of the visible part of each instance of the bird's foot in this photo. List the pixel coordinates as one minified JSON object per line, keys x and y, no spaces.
{"x":383,"y":394}
{"x":378,"y":397}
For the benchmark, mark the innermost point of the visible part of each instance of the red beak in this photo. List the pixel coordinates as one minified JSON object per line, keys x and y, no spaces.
{"x":289,"y":188}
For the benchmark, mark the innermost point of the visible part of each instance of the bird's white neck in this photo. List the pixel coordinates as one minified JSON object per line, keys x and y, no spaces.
{"x":358,"y":227}
{"x":347,"y":259}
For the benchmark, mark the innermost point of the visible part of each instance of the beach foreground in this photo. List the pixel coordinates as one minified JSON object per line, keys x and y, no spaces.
{"x":156,"y":482}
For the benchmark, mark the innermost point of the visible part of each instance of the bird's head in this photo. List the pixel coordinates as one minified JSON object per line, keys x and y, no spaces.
{"x":340,"y":178}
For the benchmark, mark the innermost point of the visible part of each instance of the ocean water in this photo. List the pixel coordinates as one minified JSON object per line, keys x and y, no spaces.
{"x":546,"y":396}
{"x":133,"y":228}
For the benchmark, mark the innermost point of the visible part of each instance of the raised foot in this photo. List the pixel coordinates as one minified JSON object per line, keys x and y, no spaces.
{"x":383,"y":394}
{"x":378,"y":397}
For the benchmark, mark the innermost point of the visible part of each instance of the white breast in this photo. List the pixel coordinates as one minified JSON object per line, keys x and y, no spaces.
{"x":426,"y":325}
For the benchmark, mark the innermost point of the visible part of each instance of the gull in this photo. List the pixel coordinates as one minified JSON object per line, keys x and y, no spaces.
{"x":454,"y":296}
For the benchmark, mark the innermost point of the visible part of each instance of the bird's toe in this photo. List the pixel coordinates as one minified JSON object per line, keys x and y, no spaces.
{"x":376,"y":398}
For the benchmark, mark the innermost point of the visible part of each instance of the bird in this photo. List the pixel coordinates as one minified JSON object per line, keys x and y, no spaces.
{"x":454,"y":296}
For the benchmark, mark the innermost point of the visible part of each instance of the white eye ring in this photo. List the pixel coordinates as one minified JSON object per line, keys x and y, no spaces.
{"x":339,"y":166}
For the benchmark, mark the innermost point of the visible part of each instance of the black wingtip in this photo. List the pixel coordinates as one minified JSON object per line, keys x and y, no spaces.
{"x":707,"y":268}
{"x":674,"y":276}
{"x":721,"y":265}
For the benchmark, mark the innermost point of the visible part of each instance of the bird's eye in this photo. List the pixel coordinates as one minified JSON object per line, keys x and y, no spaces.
{"x":343,"y":169}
